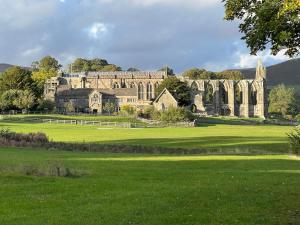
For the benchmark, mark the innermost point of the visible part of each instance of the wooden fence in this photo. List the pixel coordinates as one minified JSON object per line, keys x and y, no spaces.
{"x":91,"y":123}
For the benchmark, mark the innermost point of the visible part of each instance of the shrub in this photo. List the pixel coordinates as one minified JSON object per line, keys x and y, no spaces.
{"x":297,"y":117}
{"x":128,"y":110}
{"x":294,"y":140}
{"x":173,"y":115}
{"x":10,"y":136}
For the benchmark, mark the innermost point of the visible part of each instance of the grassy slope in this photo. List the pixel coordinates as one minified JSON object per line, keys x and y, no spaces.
{"x":137,"y":189}
{"x":269,"y":138}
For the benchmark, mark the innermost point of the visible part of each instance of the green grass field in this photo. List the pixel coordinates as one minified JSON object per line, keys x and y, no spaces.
{"x":121,"y":189}
{"x":217,"y":136}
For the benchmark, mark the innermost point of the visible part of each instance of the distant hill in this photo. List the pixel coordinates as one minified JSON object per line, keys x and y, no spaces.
{"x":287,"y":73}
{"x":4,"y":66}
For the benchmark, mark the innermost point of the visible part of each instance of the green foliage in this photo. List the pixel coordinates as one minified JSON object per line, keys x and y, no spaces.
{"x":70,"y":107}
{"x":196,"y":74}
{"x":193,"y":73}
{"x":173,"y":115}
{"x":128,"y":110}
{"x":44,"y":104}
{"x":169,"y":70}
{"x":230,"y":75}
{"x":294,"y":140}
{"x":17,"y":99}
{"x":297,"y":117}
{"x":209,"y":94}
{"x":47,"y":64}
{"x":180,"y":90}
{"x":282,"y":100}
{"x":16,"y":78}
{"x":274,"y":22}
{"x":109,"y":107}
{"x":85,"y":65}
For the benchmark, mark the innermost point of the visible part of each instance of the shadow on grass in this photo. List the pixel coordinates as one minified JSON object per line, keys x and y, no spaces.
{"x":236,"y":143}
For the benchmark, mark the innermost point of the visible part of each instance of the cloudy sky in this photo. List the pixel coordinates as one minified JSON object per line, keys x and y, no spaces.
{"x":146,"y":34}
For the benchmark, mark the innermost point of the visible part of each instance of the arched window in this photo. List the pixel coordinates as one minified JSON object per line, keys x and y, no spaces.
{"x":208,"y":94}
{"x":194,"y":88}
{"x":141,"y":91}
{"x":132,"y":85}
{"x":116,"y":85}
{"x":253,"y":96}
{"x":149,"y":91}
{"x":223,"y":94}
{"x":238,"y":95}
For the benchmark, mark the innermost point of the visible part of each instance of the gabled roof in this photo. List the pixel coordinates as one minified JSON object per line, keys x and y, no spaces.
{"x":165,"y":91}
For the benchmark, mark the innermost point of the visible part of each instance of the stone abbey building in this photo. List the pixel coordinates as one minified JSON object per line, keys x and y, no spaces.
{"x":91,"y":91}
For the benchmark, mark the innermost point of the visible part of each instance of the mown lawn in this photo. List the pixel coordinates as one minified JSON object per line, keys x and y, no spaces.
{"x":120,"y":189}
{"x":266,"y":138}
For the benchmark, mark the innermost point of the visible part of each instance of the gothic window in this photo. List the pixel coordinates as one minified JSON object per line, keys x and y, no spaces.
{"x":194,"y":88}
{"x":141,"y":91}
{"x":149,"y":91}
{"x":253,"y":96}
{"x":116,"y":85}
{"x":223,"y":94}
{"x":132,"y":85}
{"x":238,"y":95}
{"x":208,"y":94}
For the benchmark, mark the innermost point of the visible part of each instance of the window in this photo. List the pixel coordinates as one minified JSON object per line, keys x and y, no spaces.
{"x":116,"y":85}
{"x":238,"y":95}
{"x":208,"y":94}
{"x":149,"y":91}
{"x":141,"y":91}
{"x":253,"y":96}
{"x":223,"y":94}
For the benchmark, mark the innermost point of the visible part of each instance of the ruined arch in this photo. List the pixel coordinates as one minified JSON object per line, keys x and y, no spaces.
{"x":238,"y":94}
{"x":223,"y":93}
{"x":253,"y":94}
{"x":208,"y":94}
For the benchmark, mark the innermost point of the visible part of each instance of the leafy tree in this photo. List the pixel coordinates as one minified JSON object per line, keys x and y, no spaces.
{"x":17,"y":99}
{"x":44,"y":69}
{"x":207,"y":75}
{"x":173,"y":115}
{"x":109,"y":107}
{"x":133,"y":70}
{"x":282,"y":100}
{"x":230,"y":75}
{"x":270,"y":22}
{"x":70,"y":107}
{"x":168,"y":69}
{"x":44,"y":104}
{"x":85,"y":65}
{"x":180,"y":90}
{"x":16,"y":78}
{"x":40,"y":77}
{"x":7,"y":99}
{"x":49,"y":63}
{"x":25,"y":100}
{"x":128,"y":109}
{"x":193,"y":73}
{"x":111,"y":68}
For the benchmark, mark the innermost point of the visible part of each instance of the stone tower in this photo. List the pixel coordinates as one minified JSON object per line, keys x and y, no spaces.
{"x":261,"y":72}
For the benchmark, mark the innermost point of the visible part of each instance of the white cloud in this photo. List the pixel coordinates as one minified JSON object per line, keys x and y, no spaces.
{"x":248,"y":61}
{"x":32,"y":52}
{"x":97,"y":30}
